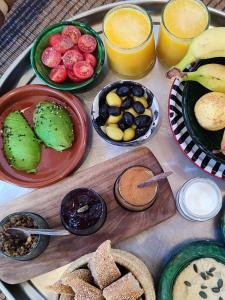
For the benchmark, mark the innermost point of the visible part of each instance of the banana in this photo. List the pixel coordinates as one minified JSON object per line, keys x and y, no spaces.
{"x":211,"y":76}
{"x":209,"y":44}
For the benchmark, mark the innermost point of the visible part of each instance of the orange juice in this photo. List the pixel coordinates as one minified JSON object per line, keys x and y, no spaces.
{"x":182,"y":20}
{"x":129,"y":41}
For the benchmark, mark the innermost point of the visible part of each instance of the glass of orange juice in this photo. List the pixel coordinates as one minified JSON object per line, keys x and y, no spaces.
{"x":182,"y":20}
{"x":129,"y":40}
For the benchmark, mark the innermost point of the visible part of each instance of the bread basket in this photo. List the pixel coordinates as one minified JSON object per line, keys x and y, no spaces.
{"x":127,"y":261}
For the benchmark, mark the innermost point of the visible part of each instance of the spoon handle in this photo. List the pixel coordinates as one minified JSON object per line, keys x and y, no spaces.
{"x":52,"y":232}
{"x":154,"y":179}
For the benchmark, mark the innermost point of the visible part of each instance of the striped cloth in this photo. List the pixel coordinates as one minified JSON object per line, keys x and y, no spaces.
{"x":29,"y":17}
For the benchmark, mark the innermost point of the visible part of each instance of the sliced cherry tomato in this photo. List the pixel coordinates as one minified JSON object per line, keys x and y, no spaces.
{"x":71,"y":57}
{"x":73,"y":77}
{"x":91,"y":59}
{"x":83,"y":70}
{"x":87,"y":43}
{"x":54,"y":39}
{"x":58,"y":74}
{"x":50,"y":57}
{"x":73,"y":32}
{"x":65,"y":43}
{"x":77,"y":49}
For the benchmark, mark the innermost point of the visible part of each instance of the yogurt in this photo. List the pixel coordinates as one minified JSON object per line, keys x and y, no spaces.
{"x":199,"y":199}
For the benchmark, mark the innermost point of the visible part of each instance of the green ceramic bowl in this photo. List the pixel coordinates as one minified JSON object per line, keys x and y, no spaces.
{"x":42,"y":71}
{"x":205,"y":139}
{"x":189,"y":253}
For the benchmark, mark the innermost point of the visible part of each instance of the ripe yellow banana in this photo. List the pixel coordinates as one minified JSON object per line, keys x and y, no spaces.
{"x":209,"y":44}
{"x":211,"y":76}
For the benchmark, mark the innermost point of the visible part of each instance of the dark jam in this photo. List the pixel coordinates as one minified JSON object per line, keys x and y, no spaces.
{"x":83,"y":211}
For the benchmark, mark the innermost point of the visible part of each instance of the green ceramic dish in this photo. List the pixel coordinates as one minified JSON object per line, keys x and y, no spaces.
{"x":206,"y":140}
{"x":42,"y":71}
{"x":193,"y":251}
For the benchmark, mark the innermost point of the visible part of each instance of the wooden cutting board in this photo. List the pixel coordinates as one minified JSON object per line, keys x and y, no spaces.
{"x":120,"y":223}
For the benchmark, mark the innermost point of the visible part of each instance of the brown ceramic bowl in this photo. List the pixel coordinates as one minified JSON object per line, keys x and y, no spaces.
{"x":54,"y":165}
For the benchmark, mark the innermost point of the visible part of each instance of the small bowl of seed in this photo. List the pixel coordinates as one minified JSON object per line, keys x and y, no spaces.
{"x":21,"y":247}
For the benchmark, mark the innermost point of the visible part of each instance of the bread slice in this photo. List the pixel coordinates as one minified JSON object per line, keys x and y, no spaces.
{"x":83,"y":290}
{"x":125,"y":288}
{"x":83,"y":274}
{"x":103,"y":267}
{"x":60,"y":288}
{"x":66,"y":297}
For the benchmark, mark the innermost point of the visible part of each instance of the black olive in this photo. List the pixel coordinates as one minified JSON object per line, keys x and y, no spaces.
{"x":128,"y":119}
{"x":138,"y":107}
{"x":114,"y":110}
{"x":123,"y":91}
{"x":143,"y":121}
{"x":127,"y":102}
{"x":137,"y":91}
{"x":104,"y":111}
{"x":122,"y":126}
{"x":141,"y":131}
{"x":100,"y":120}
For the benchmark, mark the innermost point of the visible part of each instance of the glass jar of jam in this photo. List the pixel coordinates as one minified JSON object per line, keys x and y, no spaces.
{"x":127,"y":192}
{"x":83,"y":211}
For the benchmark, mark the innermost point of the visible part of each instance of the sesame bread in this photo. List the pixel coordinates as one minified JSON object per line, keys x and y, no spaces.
{"x":125,"y":288}
{"x":103,"y":267}
{"x":60,"y":288}
{"x":83,"y":274}
{"x":83,"y":290}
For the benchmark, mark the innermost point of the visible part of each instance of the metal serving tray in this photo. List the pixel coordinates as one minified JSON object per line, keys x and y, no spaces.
{"x":155,"y":245}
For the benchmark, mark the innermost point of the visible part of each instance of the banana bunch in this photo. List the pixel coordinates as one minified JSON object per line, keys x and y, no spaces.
{"x":210,"y":108}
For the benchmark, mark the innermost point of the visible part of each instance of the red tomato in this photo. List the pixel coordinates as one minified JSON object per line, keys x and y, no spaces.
{"x":73,"y":77}
{"x":77,"y":49}
{"x":65,"y":43}
{"x":54,"y":39}
{"x":83,"y":70}
{"x":87,"y":43}
{"x":50,"y":57}
{"x":58,"y":74}
{"x":91,"y":59}
{"x":71,"y":57}
{"x":73,"y":32}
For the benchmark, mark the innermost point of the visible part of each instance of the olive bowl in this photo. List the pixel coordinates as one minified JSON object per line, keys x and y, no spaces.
{"x":42,"y":72}
{"x":100,"y":99}
{"x":42,"y":240}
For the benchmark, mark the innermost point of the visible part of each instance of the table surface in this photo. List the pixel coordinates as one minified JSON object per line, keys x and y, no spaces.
{"x":155,"y":245}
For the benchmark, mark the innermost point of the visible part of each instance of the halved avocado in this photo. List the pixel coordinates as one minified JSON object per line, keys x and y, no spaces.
{"x":21,"y":147}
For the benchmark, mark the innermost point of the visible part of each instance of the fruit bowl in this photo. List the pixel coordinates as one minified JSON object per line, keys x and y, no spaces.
{"x":205,"y":139}
{"x":100,"y":99}
{"x":43,"y":71}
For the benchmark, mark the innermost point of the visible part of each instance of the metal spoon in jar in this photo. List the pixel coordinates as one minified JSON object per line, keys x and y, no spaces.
{"x":154,"y":179}
{"x":24,"y":231}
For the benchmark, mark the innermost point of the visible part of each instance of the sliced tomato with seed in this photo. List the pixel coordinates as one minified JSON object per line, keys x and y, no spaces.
{"x":71,"y":57}
{"x":73,"y":77}
{"x":51,"y":57}
{"x":73,"y":32}
{"x":65,"y":43}
{"x":58,"y":74}
{"x":83,"y":70}
{"x":87,"y":43}
{"x":54,"y":39}
{"x":91,"y":59}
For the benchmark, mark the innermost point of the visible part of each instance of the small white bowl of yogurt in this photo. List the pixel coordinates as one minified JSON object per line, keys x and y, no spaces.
{"x":199,"y":199}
